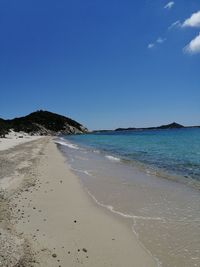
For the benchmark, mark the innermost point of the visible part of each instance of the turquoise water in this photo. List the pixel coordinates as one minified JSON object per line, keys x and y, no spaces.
{"x":175,"y":151}
{"x":123,"y":172}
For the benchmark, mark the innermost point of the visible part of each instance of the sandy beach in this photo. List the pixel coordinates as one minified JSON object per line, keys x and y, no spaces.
{"x":13,"y":139}
{"x":48,"y":219}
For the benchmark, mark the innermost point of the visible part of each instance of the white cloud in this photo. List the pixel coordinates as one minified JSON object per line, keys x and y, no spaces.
{"x":160,"y":40}
{"x":169,"y":5}
{"x":174,"y":25}
{"x":194,"y":46}
{"x":193,"y":21}
{"x":150,"y":46}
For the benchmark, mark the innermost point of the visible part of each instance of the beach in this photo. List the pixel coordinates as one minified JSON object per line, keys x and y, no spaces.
{"x":100,"y":133}
{"x":48,"y":219}
{"x":160,"y":200}
{"x":13,"y":139}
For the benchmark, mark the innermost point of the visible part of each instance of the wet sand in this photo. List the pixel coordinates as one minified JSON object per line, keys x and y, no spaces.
{"x":47,"y":219}
{"x":164,"y":213}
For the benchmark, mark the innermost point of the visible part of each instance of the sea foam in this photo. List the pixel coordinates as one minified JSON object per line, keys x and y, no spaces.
{"x":112,"y":158}
{"x":63,"y":143}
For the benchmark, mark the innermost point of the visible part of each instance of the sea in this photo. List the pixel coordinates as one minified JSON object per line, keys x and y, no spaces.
{"x":149,"y":177}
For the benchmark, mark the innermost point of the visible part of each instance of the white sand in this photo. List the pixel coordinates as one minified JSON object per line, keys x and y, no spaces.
{"x":13,"y":139}
{"x":63,"y":224}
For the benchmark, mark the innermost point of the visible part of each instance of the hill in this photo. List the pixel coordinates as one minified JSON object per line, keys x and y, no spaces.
{"x":42,"y":123}
{"x":173,"y":125}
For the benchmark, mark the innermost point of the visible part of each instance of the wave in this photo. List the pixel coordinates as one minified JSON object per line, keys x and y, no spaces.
{"x":96,"y":151}
{"x":130,"y":216}
{"x":112,"y":158}
{"x":82,"y":171}
{"x":134,"y":218}
{"x":63,"y":143}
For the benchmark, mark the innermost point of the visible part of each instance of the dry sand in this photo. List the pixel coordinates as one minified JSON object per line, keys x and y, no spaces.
{"x":47,"y":219}
{"x":13,"y":139}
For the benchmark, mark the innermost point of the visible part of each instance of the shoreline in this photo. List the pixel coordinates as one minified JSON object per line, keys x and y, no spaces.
{"x":141,"y":167}
{"x":158,"y":208}
{"x":58,"y":222}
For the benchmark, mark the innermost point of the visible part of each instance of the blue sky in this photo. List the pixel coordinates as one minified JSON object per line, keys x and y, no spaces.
{"x":104,"y":63}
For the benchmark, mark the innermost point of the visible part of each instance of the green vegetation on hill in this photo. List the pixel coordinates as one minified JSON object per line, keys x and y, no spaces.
{"x":43,"y":123}
{"x":3,"y":128}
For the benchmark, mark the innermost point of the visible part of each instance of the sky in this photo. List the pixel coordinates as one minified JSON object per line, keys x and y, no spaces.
{"x":106,"y":64}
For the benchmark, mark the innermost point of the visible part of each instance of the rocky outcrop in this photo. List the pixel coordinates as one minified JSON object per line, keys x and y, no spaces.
{"x":42,"y":123}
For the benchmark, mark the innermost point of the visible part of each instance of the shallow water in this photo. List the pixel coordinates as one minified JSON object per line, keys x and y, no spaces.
{"x":165,"y":214}
{"x":175,"y":151}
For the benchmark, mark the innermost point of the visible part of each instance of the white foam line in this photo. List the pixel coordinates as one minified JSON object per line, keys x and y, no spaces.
{"x":123,"y":215}
{"x":63,"y":143}
{"x":159,"y":264}
{"x":112,"y":158}
{"x":81,"y":171}
{"x":86,"y":172}
{"x":109,"y":207}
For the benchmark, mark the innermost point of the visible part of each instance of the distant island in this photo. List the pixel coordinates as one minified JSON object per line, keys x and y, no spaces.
{"x":173,"y":125}
{"x":42,"y":123}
